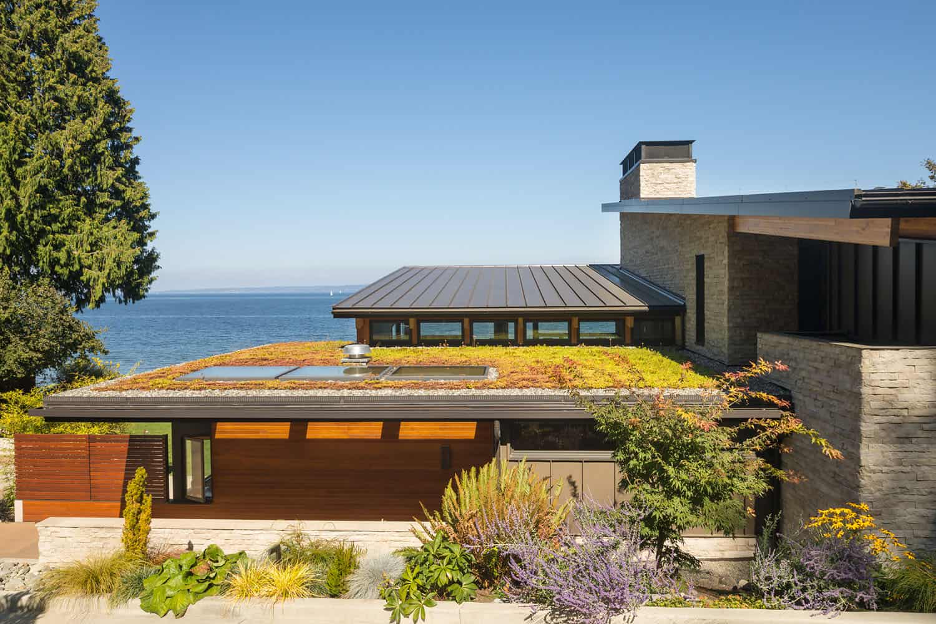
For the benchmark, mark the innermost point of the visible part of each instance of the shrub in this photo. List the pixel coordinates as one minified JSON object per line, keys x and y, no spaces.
{"x":137,"y":514}
{"x":342,"y":565}
{"x":594,"y":576}
{"x":910,"y":584}
{"x":439,"y":569}
{"x":374,"y":574}
{"x":276,"y":581}
{"x":686,"y":468}
{"x":184,"y":580}
{"x":96,"y":576}
{"x":483,"y":508}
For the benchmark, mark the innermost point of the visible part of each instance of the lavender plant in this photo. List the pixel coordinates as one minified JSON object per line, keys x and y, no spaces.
{"x":815,"y":572}
{"x":593,"y":576}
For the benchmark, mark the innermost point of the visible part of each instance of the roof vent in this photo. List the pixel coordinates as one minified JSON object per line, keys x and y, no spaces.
{"x":356,"y":354}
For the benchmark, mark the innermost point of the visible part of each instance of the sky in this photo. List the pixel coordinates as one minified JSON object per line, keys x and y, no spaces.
{"x":306,"y":143}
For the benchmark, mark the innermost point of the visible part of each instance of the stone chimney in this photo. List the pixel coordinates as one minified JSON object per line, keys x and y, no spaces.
{"x":659,"y":170}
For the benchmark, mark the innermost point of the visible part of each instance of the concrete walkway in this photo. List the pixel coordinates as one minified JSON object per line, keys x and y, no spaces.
{"x":19,"y":540}
{"x":15,"y":609}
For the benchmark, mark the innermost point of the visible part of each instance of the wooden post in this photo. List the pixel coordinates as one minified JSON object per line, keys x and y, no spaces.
{"x":520,"y":330}
{"x":574,"y":330}
{"x":680,"y":337}
{"x":628,"y":330}
{"x":412,"y":331}
{"x":466,"y":331}
{"x":363,"y":330}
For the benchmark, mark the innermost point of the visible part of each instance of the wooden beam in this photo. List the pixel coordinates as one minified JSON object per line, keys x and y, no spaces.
{"x":920,"y":227}
{"x":881,"y":232}
{"x":362,"y":325}
{"x":628,"y":330}
{"x":466,"y":331}
{"x":520,"y":329}
{"x":679,"y":332}
{"x":574,"y":330}
{"x":414,"y":338}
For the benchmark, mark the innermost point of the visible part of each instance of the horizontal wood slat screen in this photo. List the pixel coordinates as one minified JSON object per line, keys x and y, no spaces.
{"x":39,"y":510}
{"x":77,"y":471}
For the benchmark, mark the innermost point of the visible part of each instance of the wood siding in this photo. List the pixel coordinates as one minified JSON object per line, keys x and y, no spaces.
{"x":85,"y":474}
{"x":861,"y":231}
{"x":335,"y":471}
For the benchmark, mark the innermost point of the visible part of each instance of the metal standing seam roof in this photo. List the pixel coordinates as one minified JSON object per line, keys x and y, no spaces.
{"x":552,"y":288}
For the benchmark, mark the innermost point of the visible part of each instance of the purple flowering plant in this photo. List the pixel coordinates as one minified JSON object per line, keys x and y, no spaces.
{"x":590,"y":574}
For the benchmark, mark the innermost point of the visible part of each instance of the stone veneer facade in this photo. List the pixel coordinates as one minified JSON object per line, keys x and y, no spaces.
{"x":69,"y":539}
{"x":877,"y":405}
{"x":750,"y":280}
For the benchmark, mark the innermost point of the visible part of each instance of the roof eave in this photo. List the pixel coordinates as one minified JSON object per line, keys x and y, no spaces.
{"x":491,"y":312}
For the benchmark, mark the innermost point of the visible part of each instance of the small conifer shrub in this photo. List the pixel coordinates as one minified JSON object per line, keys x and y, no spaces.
{"x":138,"y":514}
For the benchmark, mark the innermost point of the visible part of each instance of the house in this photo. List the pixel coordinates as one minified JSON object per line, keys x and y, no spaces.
{"x":300,"y":431}
{"x":838,"y":284}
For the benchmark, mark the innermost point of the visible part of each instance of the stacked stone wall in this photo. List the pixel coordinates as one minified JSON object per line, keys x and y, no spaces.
{"x":878,"y":407}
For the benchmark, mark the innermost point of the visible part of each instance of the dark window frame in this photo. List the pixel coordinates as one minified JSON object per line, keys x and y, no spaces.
{"x":408,"y":341}
{"x":619,"y":324}
{"x":700,"y":300}
{"x":527,"y":340}
{"x":460,"y":341}
{"x":494,"y":342}
{"x":668,"y":341}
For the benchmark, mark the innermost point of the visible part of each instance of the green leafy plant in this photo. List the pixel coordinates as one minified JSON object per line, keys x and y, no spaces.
{"x":685,"y":467}
{"x":910,"y":583}
{"x":478,"y":504}
{"x":137,"y":514}
{"x":440,"y":569}
{"x":342,"y":565}
{"x":184,"y":580}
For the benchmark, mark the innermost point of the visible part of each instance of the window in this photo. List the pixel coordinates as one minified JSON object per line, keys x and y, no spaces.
{"x":556,"y":435}
{"x":601,"y":332}
{"x":654,"y":331}
{"x":440,"y":332}
{"x":198,"y":469}
{"x":700,"y":300}
{"x":547,"y":332}
{"x":494,"y":332}
{"x":390,"y":332}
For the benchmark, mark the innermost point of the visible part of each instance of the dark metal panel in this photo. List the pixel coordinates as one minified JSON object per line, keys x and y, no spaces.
{"x":927,"y":278}
{"x":907,"y":293}
{"x":401,"y":290}
{"x":482,"y":290}
{"x":613,"y":280}
{"x":638,"y":290}
{"x":864,"y":309}
{"x":847,"y":288}
{"x":550,"y":296}
{"x":515,"y":294}
{"x":599,"y":287}
{"x":531,"y":293}
{"x":463,"y":296}
{"x":497,"y":296}
{"x":431,"y":293}
{"x":884,"y":294}
{"x":390,"y":288}
{"x":571,"y":277}
{"x":445,"y":296}
{"x":425,"y":283}
{"x":370,"y":289}
{"x":568,"y":295}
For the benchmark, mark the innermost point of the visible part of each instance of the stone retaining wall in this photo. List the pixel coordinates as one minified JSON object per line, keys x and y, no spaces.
{"x":67,"y":539}
{"x":877,"y":406}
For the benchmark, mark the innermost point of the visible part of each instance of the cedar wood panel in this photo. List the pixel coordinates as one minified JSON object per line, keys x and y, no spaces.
{"x":85,"y":475}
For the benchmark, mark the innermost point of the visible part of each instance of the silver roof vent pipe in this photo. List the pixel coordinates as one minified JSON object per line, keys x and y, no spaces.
{"x":356,"y":354}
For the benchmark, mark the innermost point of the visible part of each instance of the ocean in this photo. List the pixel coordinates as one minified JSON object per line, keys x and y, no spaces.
{"x":165,"y":329}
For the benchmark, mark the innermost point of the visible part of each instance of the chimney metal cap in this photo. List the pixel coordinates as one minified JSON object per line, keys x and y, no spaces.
{"x":658,"y":151}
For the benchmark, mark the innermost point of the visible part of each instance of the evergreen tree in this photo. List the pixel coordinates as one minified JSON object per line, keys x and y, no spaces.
{"x":73,"y":209}
{"x":137,"y":514}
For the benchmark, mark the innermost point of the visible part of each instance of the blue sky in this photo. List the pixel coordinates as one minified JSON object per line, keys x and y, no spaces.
{"x":301,"y":143}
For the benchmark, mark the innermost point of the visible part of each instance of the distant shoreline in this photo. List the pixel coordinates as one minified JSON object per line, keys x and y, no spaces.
{"x":264,"y":290}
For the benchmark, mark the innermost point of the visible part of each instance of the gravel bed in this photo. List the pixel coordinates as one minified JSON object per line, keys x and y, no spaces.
{"x":19,"y":575}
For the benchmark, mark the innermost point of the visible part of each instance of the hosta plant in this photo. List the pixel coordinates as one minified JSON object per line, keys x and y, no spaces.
{"x":440,"y":569}
{"x":184,"y":580}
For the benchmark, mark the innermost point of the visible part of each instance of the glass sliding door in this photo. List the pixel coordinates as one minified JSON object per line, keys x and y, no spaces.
{"x":198,"y":469}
